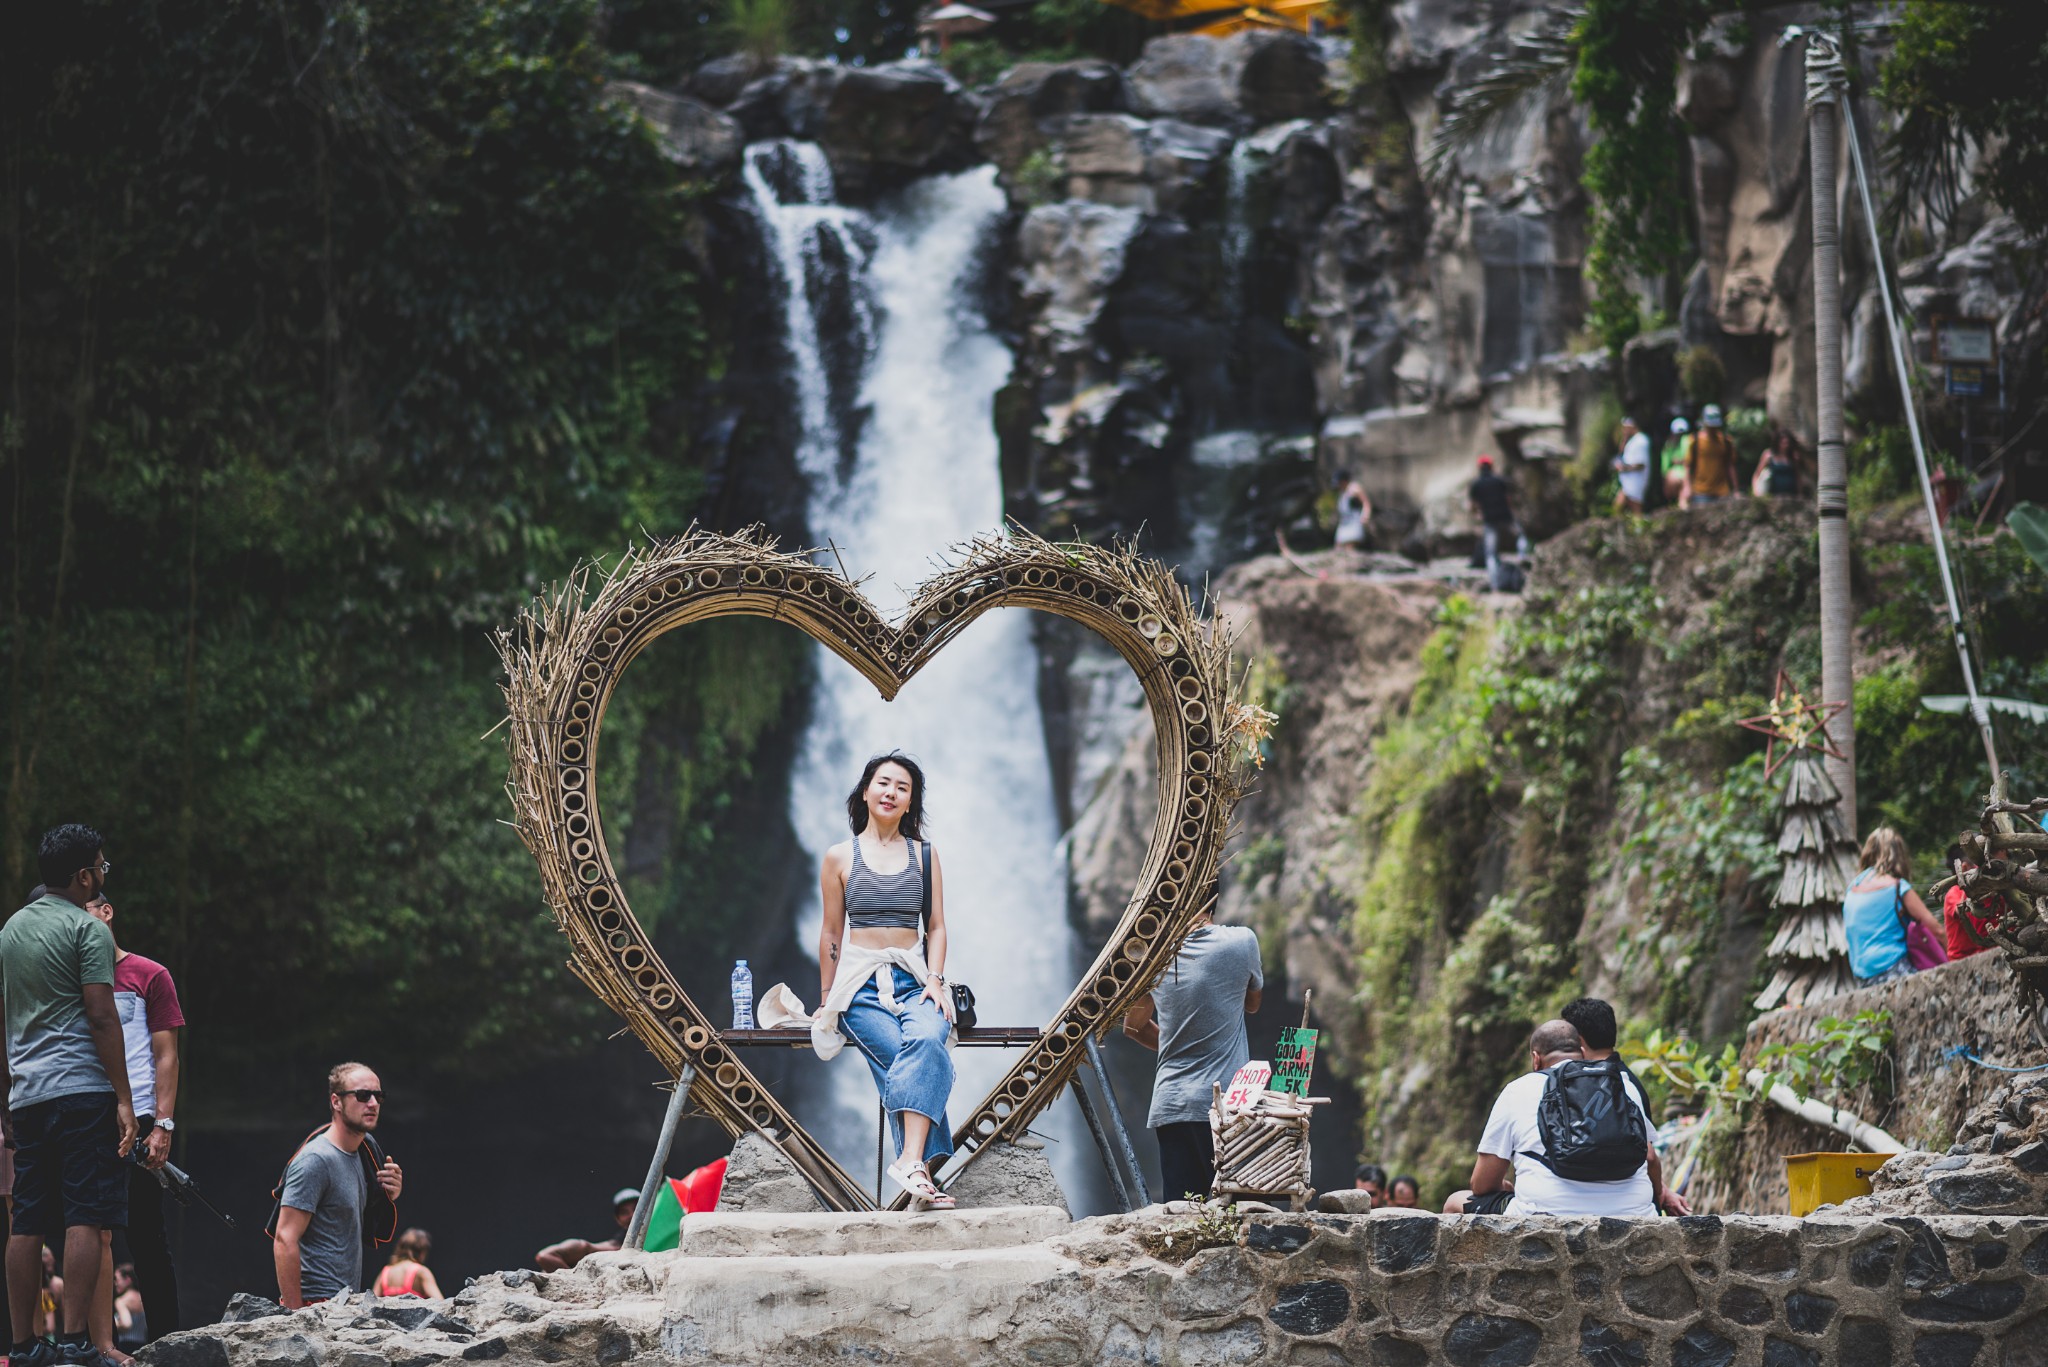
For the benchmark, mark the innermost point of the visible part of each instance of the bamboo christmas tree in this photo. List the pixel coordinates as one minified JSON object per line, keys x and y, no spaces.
{"x":1817,"y":850}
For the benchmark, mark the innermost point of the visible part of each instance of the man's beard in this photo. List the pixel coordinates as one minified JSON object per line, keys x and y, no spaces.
{"x":363,"y":1126}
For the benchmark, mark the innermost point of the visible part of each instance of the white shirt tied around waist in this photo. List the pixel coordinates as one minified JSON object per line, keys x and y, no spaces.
{"x":858,"y":965}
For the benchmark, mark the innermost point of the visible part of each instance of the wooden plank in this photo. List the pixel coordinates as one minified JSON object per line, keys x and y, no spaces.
{"x":797,"y":1037}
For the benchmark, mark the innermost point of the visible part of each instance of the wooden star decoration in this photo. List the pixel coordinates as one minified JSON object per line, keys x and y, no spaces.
{"x":1796,"y":723}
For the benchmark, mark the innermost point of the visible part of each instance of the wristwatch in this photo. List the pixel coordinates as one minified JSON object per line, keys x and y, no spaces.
{"x":167,"y":1125}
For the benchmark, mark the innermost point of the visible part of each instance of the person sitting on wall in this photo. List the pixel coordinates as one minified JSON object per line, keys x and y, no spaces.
{"x":1875,"y":911}
{"x":1525,"y":1166}
{"x":1968,"y":933}
{"x":1594,"y":1020}
{"x":566,"y":1254}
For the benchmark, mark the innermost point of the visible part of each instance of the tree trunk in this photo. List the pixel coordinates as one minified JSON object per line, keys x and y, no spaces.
{"x":1836,"y":613}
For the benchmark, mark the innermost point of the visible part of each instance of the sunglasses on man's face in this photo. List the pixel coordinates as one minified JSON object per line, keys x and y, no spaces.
{"x":366,"y":1095}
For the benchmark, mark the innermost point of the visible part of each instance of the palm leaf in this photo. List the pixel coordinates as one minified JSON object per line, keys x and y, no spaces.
{"x":1536,"y":64}
{"x":2029,"y":522}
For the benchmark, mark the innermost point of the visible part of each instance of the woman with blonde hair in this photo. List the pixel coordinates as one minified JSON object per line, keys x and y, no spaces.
{"x":1875,"y":908}
{"x":406,"y":1274}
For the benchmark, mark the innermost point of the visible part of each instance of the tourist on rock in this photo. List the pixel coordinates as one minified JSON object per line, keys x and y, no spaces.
{"x":131,"y":1315}
{"x":1405,"y":1194}
{"x":1587,"y":1153}
{"x":1372,"y":1178}
{"x":1354,"y":512}
{"x":338,"y":1188}
{"x":1876,"y":908}
{"x":406,"y":1273}
{"x":1967,"y":931}
{"x":1777,"y":474}
{"x":1598,"y":1031}
{"x":69,"y":1107}
{"x":147,"y":1000}
{"x":1194,"y":1019}
{"x":566,"y":1254}
{"x":1709,"y":462}
{"x":1633,"y":466}
{"x":1490,"y":503}
{"x":883,"y":890}
{"x":1670,"y":475}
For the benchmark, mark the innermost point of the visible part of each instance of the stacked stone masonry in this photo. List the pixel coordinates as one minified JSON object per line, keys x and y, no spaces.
{"x":1392,"y":1289}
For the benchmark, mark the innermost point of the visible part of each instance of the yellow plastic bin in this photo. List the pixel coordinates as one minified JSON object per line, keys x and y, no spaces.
{"x":1825,"y":1179}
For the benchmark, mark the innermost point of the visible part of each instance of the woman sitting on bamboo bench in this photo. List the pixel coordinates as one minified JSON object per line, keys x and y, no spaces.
{"x":881,"y":889}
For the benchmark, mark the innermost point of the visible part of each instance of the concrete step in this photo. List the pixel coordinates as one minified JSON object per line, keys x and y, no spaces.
{"x":786,"y":1310}
{"x":761,"y":1235}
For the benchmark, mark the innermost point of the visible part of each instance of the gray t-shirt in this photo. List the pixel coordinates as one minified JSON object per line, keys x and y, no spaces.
{"x":1199,"y":1001}
{"x":330,"y":1185}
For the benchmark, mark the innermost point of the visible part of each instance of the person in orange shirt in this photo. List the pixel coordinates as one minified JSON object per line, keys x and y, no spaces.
{"x":1709,"y":462}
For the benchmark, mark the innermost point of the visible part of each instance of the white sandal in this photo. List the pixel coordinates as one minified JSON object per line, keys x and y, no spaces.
{"x":913,"y":1178}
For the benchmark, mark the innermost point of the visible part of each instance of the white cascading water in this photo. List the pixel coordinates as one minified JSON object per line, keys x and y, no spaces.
{"x":924,"y":476}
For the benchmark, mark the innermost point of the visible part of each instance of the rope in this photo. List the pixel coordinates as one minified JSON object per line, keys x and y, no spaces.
{"x":1963,"y":1051}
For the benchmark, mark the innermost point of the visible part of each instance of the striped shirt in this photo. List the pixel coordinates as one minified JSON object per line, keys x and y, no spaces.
{"x":884,"y":901}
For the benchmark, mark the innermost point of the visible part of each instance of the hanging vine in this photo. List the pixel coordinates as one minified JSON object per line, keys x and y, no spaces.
{"x":1626,"y":80}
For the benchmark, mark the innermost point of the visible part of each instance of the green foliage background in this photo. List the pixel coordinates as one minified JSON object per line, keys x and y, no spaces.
{"x":335,"y":329}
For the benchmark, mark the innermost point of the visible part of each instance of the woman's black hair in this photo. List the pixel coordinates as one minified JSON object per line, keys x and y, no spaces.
{"x":913,"y":814}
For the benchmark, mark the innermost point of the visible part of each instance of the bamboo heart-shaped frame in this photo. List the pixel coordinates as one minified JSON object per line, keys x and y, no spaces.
{"x":565,"y":655}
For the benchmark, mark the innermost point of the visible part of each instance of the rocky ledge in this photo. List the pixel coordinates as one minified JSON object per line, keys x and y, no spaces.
{"x":1184,"y":1285}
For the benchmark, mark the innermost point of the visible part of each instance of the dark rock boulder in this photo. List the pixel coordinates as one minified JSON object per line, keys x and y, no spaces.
{"x":1185,"y":76}
{"x":880,"y":126}
{"x":1247,"y":80}
{"x":720,"y":80}
{"x":697,"y":138}
{"x":885,"y":125}
{"x":1281,"y":77}
{"x":1018,"y":118}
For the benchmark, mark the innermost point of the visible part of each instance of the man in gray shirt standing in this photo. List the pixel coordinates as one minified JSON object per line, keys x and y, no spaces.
{"x":1194,"y":1017}
{"x":319,"y":1236}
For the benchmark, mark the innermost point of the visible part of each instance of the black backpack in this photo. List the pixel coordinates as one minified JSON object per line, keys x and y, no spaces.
{"x":1591,"y":1127}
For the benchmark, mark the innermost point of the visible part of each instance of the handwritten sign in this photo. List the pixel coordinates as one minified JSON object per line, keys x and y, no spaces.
{"x":1246,"y":1086}
{"x":1293,"y":1056}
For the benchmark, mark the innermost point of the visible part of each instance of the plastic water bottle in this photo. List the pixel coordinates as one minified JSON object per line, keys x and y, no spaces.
{"x":742,"y":996}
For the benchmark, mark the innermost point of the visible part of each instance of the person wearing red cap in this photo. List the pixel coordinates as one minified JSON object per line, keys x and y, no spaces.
{"x":1489,"y":499}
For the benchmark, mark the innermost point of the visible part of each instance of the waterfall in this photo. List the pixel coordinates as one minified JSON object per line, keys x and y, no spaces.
{"x":915,"y":474}
{"x":1236,"y":241}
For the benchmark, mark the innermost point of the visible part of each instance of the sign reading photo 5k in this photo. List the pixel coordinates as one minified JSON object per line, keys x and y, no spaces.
{"x":1293,"y":1056}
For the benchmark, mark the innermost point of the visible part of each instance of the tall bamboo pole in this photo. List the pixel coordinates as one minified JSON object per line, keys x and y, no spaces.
{"x":1823,"y":65}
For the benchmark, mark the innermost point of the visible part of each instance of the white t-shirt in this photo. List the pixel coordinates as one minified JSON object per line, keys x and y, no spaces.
{"x":1511,"y":1133}
{"x":1634,"y":483}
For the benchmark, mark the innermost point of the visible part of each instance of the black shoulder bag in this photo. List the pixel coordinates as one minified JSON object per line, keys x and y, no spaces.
{"x":380,"y":1216}
{"x":963,"y":995}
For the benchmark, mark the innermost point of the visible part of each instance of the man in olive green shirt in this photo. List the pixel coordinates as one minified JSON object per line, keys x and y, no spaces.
{"x":68,"y":1103}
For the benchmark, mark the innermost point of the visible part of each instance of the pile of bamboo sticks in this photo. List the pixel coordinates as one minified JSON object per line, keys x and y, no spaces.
{"x":1262,"y":1149}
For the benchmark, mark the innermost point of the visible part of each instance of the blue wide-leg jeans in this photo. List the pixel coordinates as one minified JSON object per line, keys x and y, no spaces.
{"x":908,"y":1056}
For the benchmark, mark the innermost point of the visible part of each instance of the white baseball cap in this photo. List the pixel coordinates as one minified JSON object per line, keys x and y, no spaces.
{"x":625,"y":1194}
{"x":1680,"y":426}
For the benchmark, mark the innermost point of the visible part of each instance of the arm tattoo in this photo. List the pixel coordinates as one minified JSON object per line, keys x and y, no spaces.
{"x":835,"y":953}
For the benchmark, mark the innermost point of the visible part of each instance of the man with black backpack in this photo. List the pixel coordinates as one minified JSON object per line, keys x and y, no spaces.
{"x":1598,"y":1032}
{"x":338,"y":1186}
{"x":1568,"y":1137}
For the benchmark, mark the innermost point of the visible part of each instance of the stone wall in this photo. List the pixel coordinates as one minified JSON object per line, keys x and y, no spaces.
{"x":1973,"y":1004}
{"x":1335,"y":1290}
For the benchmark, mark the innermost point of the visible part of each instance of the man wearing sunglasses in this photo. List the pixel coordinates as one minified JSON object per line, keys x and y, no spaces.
{"x":71,"y":1117}
{"x":327,"y":1194}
